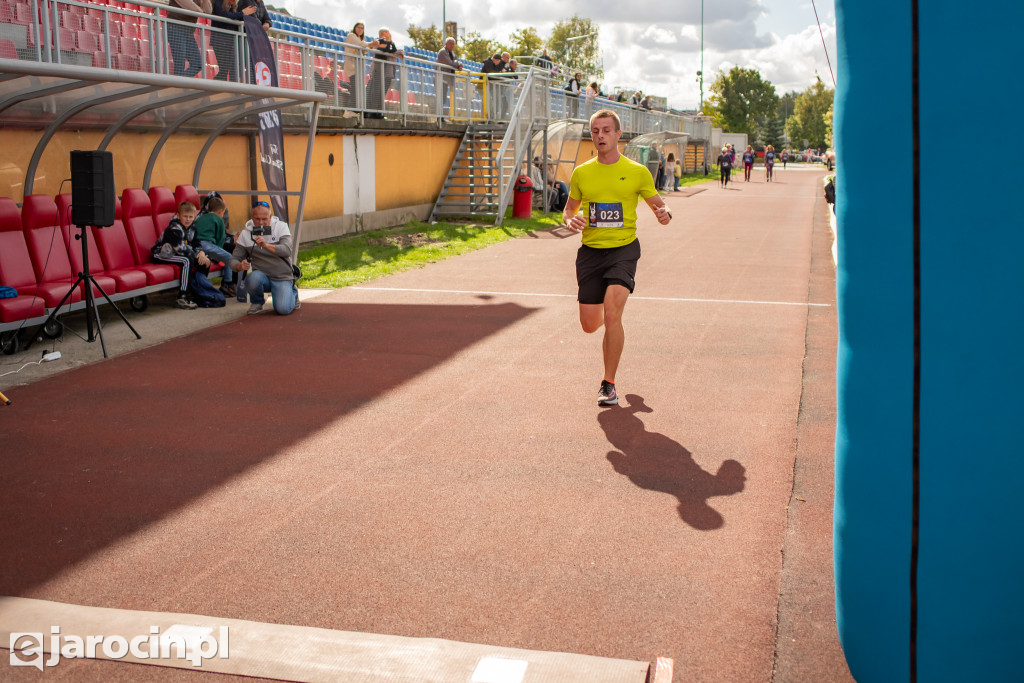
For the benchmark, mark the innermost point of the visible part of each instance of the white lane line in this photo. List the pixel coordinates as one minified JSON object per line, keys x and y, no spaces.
{"x":573,"y":296}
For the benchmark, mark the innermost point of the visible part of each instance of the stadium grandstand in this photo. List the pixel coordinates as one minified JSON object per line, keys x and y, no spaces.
{"x":372,"y":145}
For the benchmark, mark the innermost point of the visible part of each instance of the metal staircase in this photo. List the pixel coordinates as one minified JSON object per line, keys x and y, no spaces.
{"x":471,"y":188}
{"x":490,"y":158}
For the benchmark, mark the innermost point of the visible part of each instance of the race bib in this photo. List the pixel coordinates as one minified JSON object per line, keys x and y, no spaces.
{"x":606,"y":215}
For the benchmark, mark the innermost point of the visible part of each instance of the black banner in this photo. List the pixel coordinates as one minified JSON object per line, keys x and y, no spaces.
{"x":264,"y":74}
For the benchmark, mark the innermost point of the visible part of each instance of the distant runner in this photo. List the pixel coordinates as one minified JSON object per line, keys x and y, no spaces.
{"x":748,"y":162}
{"x":608,"y":187}
{"x":769,"y":163}
{"x":724,"y":166}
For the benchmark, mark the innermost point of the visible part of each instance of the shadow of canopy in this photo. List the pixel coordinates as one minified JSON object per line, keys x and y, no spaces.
{"x":99,"y":452}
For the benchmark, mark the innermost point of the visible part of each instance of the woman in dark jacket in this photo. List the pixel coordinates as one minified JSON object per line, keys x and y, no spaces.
{"x":382,"y":72}
{"x":261,"y":11}
{"x":224,"y":41}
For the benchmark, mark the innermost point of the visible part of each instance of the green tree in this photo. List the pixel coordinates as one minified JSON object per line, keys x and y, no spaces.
{"x":828,"y":127}
{"x":525,"y":41}
{"x":772,"y":133}
{"x":426,"y":38}
{"x":787,"y":105}
{"x":742,"y":99}
{"x":712,"y":111}
{"x":807,"y":124}
{"x":583,"y":54}
{"x":478,"y":48}
{"x":795,"y":133}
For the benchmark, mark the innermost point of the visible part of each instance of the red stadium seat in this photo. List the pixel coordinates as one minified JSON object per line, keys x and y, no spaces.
{"x":137,"y":214}
{"x":116,"y":251}
{"x":126,"y":63}
{"x":164,"y":207}
{"x":129,"y":28}
{"x":23,"y":14}
{"x":68,"y":39}
{"x":187,"y":193}
{"x":123,"y":280}
{"x":74,"y":248}
{"x":93,"y":24}
{"x":130,"y":46}
{"x":71,"y":20}
{"x":47,"y":249}
{"x":7,"y":49}
{"x":212,"y":68}
{"x":16,"y":267}
{"x":88,"y":42}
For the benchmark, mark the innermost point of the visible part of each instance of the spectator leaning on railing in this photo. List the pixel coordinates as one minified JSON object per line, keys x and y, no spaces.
{"x":261,"y":12}
{"x":223,"y":41}
{"x":491,"y":66}
{"x":182,"y":40}
{"x":449,"y":65}
{"x":382,"y":72}
{"x":544,"y":62}
{"x":574,"y":88}
{"x":356,"y":47}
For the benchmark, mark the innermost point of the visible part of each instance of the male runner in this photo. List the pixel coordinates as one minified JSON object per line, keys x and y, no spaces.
{"x":609,"y":188}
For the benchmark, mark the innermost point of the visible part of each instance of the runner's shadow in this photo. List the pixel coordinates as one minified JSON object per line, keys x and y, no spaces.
{"x":657,"y":463}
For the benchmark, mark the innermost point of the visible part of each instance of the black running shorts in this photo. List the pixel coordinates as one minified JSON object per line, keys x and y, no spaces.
{"x":598,"y":268}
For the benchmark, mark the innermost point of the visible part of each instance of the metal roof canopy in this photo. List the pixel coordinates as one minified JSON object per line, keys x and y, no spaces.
{"x":656,"y":140}
{"x":57,"y":95}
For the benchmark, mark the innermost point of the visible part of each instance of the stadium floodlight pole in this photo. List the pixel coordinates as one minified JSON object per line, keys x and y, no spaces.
{"x":700,"y":74}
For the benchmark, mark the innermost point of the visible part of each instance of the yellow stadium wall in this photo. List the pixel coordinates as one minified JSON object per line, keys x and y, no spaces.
{"x":408,"y":172}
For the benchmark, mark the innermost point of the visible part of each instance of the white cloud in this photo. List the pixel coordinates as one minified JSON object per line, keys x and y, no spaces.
{"x":651,"y":45}
{"x":658,"y":36}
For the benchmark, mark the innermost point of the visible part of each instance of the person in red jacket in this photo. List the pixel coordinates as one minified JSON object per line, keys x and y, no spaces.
{"x":748,"y":162}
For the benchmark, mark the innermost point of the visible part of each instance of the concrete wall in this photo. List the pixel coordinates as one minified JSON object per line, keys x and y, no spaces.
{"x":737,"y":140}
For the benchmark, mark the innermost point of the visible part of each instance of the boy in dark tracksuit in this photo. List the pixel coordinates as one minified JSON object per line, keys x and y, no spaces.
{"x":175,"y":247}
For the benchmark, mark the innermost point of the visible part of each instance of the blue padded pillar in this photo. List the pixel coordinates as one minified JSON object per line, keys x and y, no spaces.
{"x":964,"y":403}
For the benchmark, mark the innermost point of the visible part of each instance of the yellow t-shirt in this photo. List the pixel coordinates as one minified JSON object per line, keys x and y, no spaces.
{"x":610,"y":193}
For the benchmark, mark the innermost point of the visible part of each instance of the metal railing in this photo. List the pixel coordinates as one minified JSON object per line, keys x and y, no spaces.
{"x":527,"y":111}
{"x":141,"y":37}
{"x":125,"y":37}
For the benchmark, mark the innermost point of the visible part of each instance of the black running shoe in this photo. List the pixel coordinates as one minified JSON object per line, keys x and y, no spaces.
{"x":607,"y":395}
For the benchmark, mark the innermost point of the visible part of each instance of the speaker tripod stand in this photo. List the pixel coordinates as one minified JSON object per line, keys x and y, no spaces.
{"x":91,"y":312}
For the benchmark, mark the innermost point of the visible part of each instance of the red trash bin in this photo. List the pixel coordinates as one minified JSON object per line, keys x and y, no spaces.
{"x":522,"y":201}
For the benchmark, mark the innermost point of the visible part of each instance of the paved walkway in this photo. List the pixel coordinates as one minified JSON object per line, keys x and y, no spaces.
{"x":422,"y":456}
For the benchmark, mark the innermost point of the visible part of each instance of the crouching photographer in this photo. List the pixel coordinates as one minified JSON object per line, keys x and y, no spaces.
{"x":263,"y":249}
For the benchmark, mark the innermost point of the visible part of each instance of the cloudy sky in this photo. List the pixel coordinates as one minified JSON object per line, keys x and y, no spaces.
{"x":645,"y":44}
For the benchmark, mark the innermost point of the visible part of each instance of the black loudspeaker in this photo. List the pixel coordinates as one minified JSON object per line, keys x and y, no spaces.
{"x":92,"y":188}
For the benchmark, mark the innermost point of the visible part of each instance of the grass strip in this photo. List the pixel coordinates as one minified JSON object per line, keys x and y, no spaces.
{"x":364,"y":256}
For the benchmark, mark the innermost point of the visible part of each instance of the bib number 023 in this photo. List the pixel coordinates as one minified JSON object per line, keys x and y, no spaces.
{"x":605,"y":215}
